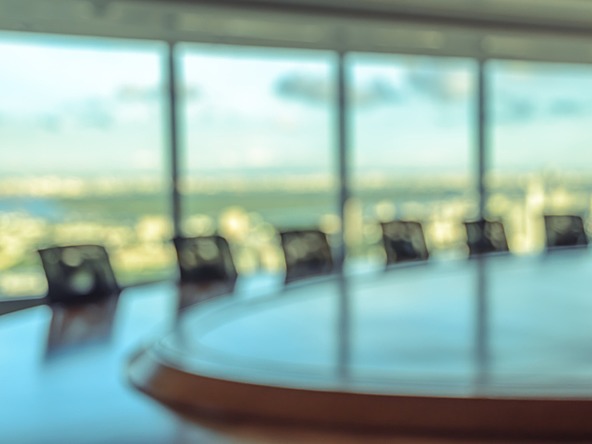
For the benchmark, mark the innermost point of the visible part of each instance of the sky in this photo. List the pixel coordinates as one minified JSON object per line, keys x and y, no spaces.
{"x":86,"y":107}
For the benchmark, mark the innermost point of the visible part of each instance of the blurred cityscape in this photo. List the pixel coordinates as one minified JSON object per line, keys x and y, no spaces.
{"x":130,"y":216}
{"x":85,"y":150}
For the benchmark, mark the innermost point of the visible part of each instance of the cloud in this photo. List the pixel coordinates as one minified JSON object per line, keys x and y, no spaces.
{"x":377,"y":91}
{"x":317,"y":90}
{"x":441,"y":85}
{"x":567,"y":108}
{"x":154,"y":93}
{"x":50,"y":122}
{"x":514,"y":109}
{"x":304,"y":87}
{"x":136,"y":93}
{"x":92,"y":112}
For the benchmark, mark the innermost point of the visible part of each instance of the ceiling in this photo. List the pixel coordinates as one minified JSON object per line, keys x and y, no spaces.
{"x":553,"y":30}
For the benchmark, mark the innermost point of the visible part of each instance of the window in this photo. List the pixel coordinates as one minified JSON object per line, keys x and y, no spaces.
{"x":414,"y":155}
{"x":259,"y":153}
{"x":540,"y":158}
{"x":82,"y":156}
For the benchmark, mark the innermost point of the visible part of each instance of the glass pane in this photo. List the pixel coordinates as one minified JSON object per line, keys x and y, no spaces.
{"x":259,"y":152}
{"x":82,"y":156}
{"x":413,"y":149}
{"x":540,"y":137}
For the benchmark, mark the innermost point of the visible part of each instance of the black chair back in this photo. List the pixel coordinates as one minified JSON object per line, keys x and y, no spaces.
{"x":307,"y":254}
{"x":205,"y":260}
{"x":485,"y":237}
{"x":78,"y":273}
{"x":404,"y":241}
{"x":565,"y":231}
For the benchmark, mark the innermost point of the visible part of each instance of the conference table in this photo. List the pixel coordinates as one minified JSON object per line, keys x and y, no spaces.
{"x":492,"y":347}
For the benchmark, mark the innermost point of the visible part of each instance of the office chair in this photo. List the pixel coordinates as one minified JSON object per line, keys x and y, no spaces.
{"x":403,"y":241}
{"x":486,"y":237}
{"x":563,"y":231}
{"x":205,"y":261}
{"x":78,"y":274}
{"x":307,"y":254}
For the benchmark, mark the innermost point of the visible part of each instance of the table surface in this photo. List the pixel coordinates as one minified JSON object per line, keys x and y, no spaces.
{"x":505,"y":326}
{"x":495,"y":327}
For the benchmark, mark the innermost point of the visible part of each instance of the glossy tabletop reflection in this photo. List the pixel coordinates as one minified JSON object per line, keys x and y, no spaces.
{"x":496,"y":326}
{"x":61,"y":371}
{"x":496,"y":345}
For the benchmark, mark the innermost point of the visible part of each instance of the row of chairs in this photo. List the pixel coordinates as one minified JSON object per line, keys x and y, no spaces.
{"x":83,"y":272}
{"x":561,"y":231}
{"x":405,"y":241}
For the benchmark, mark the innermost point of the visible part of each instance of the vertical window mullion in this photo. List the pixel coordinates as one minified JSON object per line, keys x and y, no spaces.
{"x":482,"y":151}
{"x":342,"y":153}
{"x":173,"y":94}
